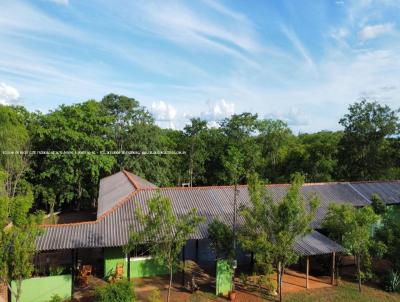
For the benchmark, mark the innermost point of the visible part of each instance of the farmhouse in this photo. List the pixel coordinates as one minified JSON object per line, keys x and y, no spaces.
{"x":99,"y":242}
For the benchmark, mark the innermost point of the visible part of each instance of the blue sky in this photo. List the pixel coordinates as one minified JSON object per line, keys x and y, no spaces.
{"x":300,"y":61}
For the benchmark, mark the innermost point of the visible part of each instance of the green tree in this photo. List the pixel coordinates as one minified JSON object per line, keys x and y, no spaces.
{"x":133,"y":129}
{"x":196,"y":149}
{"x":79,"y":135}
{"x":18,"y":232}
{"x":320,"y":160}
{"x":378,"y":205}
{"x":221,"y":239}
{"x":352,"y":228}
{"x":13,"y":138}
{"x":240,"y":131}
{"x":163,"y":232}
{"x":271,"y":228}
{"x":388,"y":234}
{"x":363,"y":147}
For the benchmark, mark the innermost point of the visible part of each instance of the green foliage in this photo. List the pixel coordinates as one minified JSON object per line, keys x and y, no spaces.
{"x":80,"y":129}
{"x":56,"y":270}
{"x":163,"y":232}
{"x":221,"y":237}
{"x":389,"y":236}
{"x":378,"y":204}
{"x":56,"y":298}
{"x":391,"y":282}
{"x":155,"y":296}
{"x":271,"y":228}
{"x":352,"y":228}
{"x":17,"y":240}
{"x":120,"y":291}
{"x":13,"y":137}
{"x":363,"y":149}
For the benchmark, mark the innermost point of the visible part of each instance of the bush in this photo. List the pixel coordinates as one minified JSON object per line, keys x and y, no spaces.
{"x":120,"y":291}
{"x":391,"y":282}
{"x":155,"y":296}
{"x":56,"y":298}
{"x":56,"y":270}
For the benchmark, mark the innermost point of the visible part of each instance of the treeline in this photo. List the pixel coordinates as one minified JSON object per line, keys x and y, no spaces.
{"x":367,"y":149}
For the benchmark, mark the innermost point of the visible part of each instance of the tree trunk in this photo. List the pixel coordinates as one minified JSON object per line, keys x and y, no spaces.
{"x":19,"y":287}
{"x":170,"y":283}
{"x":280,"y":285}
{"x":359,"y":272}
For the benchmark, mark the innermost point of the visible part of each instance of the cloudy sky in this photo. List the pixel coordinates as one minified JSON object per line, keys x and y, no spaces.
{"x":300,"y":61}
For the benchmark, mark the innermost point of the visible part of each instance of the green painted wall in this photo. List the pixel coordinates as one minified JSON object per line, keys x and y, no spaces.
{"x":41,"y":289}
{"x":224,"y":278}
{"x":139,"y":267}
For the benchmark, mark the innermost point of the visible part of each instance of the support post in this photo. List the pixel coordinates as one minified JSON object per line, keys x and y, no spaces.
{"x":197,"y":250}
{"x":73,"y":268}
{"x":183,"y":265}
{"x":333,"y":269}
{"x":307,"y":270}
{"x":128,"y":259}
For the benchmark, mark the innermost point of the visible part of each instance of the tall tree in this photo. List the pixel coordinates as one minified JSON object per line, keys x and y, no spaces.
{"x":352,"y":228}
{"x":271,"y":228}
{"x":196,"y":149}
{"x":320,"y":160}
{"x":14,"y":147}
{"x":164,"y":233}
{"x":138,"y":140}
{"x":18,"y":231}
{"x":363,"y":146}
{"x":77,"y":138}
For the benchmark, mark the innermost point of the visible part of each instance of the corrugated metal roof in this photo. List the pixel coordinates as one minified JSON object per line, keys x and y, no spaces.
{"x":316,"y":244}
{"x":112,"y":189}
{"x":115,"y":187}
{"x":112,"y":228}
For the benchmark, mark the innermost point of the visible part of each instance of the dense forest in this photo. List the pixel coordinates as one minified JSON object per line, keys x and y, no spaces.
{"x":61,"y":155}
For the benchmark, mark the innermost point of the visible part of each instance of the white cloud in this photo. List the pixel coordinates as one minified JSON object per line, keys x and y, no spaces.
{"x":8,"y":94}
{"x":217,"y":111}
{"x":294,"y":117}
{"x":372,"y":31}
{"x":60,"y":2}
{"x":164,"y":113}
{"x":298,"y":45}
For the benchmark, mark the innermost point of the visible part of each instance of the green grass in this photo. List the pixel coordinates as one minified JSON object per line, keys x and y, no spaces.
{"x":345,"y":292}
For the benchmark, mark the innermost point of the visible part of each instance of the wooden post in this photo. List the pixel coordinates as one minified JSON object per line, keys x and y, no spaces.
{"x":73,"y":268}
{"x":333,"y":269}
{"x":183,"y":265}
{"x":197,"y":250}
{"x":128,"y":259}
{"x":307,"y":270}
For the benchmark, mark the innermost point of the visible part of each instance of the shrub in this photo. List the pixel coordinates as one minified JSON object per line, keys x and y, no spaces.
{"x":120,"y":291}
{"x":56,"y":270}
{"x":56,"y":298}
{"x":155,"y":296}
{"x":391,"y":282}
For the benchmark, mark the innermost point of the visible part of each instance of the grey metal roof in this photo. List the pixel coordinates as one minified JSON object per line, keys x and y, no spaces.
{"x":140,"y":182}
{"x":112,"y":228}
{"x":389,"y":191}
{"x":117,"y":186}
{"x":112,"y":189}
{"x":316,"y":244}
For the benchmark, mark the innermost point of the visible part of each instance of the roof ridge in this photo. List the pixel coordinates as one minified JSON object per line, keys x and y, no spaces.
{"x":135,"y":184}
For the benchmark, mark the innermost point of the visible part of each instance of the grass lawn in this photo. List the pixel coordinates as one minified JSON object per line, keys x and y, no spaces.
{"x":345,"y":292}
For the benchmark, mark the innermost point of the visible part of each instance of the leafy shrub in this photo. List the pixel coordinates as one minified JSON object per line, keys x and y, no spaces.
{"x":391,"y":282}
{"x":155,"y":296}
{"x":243,"y":279}
{"x":56,"y":298}
{"x":120,"y":291}
{"x":56,"y":270}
